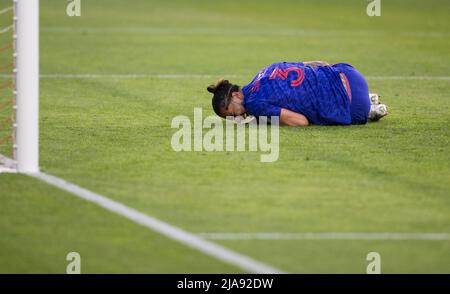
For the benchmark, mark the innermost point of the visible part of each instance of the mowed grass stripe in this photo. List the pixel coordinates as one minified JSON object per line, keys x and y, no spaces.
{"x":213,"y":250}
{"x":214,"y":31}
{"x":327,"y":236}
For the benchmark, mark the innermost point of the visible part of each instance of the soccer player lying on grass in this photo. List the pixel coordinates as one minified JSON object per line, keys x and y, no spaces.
{"x":301,"y":93}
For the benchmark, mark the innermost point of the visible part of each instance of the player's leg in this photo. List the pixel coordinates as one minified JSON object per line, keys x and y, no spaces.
{"x":358,"y":92}
{"x":364,"y":106}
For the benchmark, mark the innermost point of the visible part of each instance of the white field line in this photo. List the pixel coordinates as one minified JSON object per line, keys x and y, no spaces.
{"x":328,"y":236}
{"x":196,"y":242}
{"x":125,"y":76}
{"x":130,"y":76}
{"x":7,"y":165}
{"x":430,"y":78}
{"x":201,"y":76}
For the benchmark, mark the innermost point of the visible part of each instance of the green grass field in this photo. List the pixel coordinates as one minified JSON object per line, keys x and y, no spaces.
{"x":112,"y":136}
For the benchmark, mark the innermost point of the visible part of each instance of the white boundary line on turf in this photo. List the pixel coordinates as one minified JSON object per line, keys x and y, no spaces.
{"x":430,"y":78}
{"x":130,"y":76}
{"x":196,"y":242}
{"x":328,"y":236}
{"x":189,"y":76}
{"x":126,"y":76}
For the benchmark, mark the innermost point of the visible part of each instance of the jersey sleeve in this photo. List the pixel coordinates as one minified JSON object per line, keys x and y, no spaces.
{"x":262,"y":108}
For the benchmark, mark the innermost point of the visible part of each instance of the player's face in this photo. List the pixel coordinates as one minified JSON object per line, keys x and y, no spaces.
{"x":235,"y":108}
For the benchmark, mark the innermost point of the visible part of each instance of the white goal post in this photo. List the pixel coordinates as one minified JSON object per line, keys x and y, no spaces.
{"x":26,"y":39}
{"x":26,"y":80}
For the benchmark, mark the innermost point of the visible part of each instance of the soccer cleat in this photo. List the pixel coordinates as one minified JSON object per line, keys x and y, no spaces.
{"x":374,"y":98}
{"x":377,"y":111}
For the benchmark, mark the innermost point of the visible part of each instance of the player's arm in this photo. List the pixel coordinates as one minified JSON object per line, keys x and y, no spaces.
{"x":316,"y":63}
{"x":290,"y":118}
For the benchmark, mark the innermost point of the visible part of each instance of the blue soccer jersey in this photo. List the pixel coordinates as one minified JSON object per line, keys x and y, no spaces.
{"x":316,"y":92}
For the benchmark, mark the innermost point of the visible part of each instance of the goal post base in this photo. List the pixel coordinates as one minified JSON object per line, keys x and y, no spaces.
{"x":7,"y":165}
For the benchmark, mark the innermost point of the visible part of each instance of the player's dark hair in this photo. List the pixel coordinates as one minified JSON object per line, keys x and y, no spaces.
{"x":221,"y":99}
